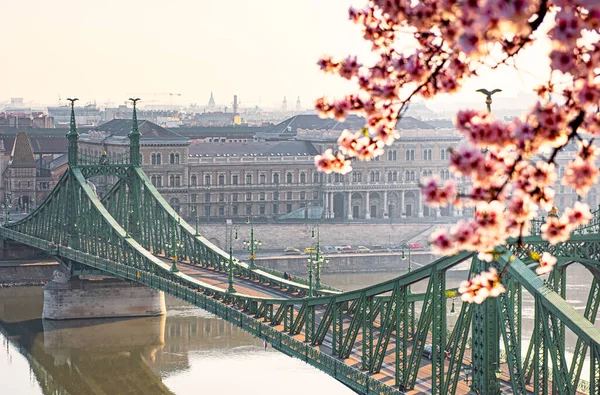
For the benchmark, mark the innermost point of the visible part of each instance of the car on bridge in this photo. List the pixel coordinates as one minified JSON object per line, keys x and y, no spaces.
{"x":346,"y":249}
{"x":291,"y":251}
{"x":363,"y":249}
{"x":328,"y":249}
{"x":309,"y":250}
{"x":428,"y":351}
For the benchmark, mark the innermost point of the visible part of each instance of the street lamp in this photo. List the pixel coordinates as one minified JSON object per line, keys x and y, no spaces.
{"x":316,"y":262}
{"x":230,"y":288}
{"x":403,"y":257}
{"x":252,"y":244}
{"x":6,"y":206}
{"x":176,"y":247}
{"x":412,"y":307}
{"x":195,"y":211}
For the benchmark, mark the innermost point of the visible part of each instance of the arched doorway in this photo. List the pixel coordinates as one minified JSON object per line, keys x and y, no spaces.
{"x":357,"y":203}
{"x":410,"y":204}
{"x":393,"y":208}
{"x":338,"y":206}
{"x":374,"y":205}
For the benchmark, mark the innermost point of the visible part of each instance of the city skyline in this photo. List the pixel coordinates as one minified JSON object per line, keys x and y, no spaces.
{"x":260,"y":52}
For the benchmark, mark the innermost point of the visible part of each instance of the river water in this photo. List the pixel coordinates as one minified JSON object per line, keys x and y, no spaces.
{"x":188,"y":351}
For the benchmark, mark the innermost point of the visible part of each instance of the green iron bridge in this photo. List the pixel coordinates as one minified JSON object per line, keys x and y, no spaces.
{"x":373,"y":339}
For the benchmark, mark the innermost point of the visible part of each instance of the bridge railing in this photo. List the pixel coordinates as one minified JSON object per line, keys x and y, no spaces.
{"x":591,"y":227}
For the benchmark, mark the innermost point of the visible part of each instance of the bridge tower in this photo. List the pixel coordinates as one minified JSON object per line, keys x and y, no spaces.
{"x":73,"y":136}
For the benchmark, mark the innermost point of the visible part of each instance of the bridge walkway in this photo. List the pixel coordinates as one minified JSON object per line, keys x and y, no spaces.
{"x":255,"y":288}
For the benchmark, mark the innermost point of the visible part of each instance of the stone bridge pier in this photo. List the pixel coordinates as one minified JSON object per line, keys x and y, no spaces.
{"x":99,"y":297}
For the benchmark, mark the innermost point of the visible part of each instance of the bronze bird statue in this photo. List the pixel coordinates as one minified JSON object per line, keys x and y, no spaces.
{"x":488,"y":96}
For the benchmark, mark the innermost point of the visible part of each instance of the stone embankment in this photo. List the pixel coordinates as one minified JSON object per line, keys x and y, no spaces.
{"x":279,"y":236}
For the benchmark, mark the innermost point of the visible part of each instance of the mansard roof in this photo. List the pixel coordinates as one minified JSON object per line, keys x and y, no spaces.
{"x":289,"y":127}
{"x":149,"y":130}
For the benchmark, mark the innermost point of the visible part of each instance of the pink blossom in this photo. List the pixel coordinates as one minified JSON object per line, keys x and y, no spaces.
{"x":347,"y":143}
{"x":547,"y":262}
{"x":555,"y":230}
{"x":435,"y":194}
{"x":578,"y":215}
{"x":441,"y":242}
{"x":484,"y":285}
{"x":581,"y":175}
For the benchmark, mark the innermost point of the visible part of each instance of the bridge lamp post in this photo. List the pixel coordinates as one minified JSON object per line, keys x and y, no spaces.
{"x":230,"y":288}
{"x":252,"y":245}
{"x":6,"y":206}
{"x":176,"y":247}
{"x":319,"y":260}
{"x":195,"y":211}
{"x":411,"y":309}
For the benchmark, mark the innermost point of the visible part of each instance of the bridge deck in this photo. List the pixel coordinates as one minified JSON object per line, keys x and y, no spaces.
{"x":386,"y":375}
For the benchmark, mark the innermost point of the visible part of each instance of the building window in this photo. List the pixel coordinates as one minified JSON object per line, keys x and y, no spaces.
{"x":412,"y":175}
{"x":338,"y":177}
{"x":276,"y":178}
{"x":248,"y":179}
{"x":177,"y":181}
{"x":156,"y":158}
{"x":275,"y":208}
{"x":234,"y":179}
{"x":289,"y":178}
{"x":392,"y":155}
{"x":262,"y":178}
{"x":207,"y":179}
{"x":302,"y":178}
{"x":44,"y":185}
{"x":235,"y":209}
{"x":221,"y":197}
{"x":159,"y":181}
{"x":315,"y":195}
{"x":193,"y":180}
{"x":221,"y":211}
{"x":289,"y":208}
{"x":193,"y":198}
{"x":302,"y":195}
{"x":261,"y":209}
{"x":289,"y":196}
{"x":234,"y":197}
{"x":410,"y":154}
{"x":207,"y":197}
{"x":356,"y":176}
{"x":221,"y":179}
{"x":275,"y":195}
{"x":427,"y":154}
{"x":174,"y":158}
{"x":248,"y":196}
{"x":171,"y":180}
{"x":153,"y":180}
{"x":262,"y":196}
{"x":249,"y":209}
{"x":374,"y":176}
{"x":315,"y":178}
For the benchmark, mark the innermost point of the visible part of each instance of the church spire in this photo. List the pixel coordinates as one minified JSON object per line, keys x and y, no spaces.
{"x":211,"y":101}
{"x":134,"y":137}
{"x":73,"y":136}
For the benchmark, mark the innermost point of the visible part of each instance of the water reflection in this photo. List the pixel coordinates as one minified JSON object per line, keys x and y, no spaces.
{"x":185,"y":352}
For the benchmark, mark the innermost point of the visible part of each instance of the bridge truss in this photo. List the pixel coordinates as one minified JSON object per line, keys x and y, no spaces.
{"x":372,"y":339}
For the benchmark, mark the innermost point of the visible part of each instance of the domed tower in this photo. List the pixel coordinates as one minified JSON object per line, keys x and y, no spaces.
{"x":284,"y":104}
{"x":298,"y":104}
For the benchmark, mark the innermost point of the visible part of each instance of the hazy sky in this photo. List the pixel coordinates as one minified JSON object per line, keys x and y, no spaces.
{"x":258,"y":49}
